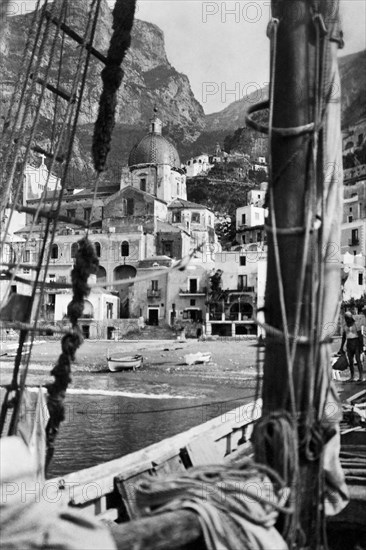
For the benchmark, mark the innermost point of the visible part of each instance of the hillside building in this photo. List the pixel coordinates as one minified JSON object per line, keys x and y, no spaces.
{"x":353,"y":234}
{"x":198,"y":165}
{"x":142,"y":224}
{"x":242,"y":274}
{"x":260,"y":164}
{"x":250,"y":220}
{"x":354,"y":137}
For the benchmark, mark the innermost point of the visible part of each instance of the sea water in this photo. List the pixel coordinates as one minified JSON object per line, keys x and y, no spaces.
{"x":99,"y":428}
{"x":110,"y":415}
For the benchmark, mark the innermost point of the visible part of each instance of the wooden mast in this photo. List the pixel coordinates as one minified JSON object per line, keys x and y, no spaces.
{"x":299,"y":47}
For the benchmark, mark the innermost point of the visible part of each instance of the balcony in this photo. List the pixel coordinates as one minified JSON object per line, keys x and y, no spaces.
{"x":242,"y":289}
{"x":229,"y":317}
{"x":197,"y":292}
{"x":216,"y":316}
{"x":353,"y":242}
{"x":154,"y":293}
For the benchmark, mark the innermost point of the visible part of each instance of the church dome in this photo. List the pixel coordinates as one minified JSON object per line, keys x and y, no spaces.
{"x":154,"y":149}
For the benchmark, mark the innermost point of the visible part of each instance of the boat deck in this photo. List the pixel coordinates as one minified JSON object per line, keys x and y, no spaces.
{"x":352,"y":520}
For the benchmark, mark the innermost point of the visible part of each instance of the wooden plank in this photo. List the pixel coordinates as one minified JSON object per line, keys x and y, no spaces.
{"x":157,"y":533}
{"x":76,"y":37}
{"x":202,"y":450}
{"x":57,"y":91}
{"x":356,"y":396}
{"x":128,"y":488}
{"x":41,"y":151}
{"x":172,"y":466}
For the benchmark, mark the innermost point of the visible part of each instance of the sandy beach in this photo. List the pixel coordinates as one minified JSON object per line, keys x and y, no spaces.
{"x":233,"y":363}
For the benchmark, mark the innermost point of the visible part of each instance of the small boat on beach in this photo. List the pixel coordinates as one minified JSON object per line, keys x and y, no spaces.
{"x":117,"y":364}
{"x":193,"y":358}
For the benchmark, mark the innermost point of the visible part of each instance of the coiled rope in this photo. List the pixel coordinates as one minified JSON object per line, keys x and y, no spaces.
{"x":275,"y":444}
{"x":237,"y":505}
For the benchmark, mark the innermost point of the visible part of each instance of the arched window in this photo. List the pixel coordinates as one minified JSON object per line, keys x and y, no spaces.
{"x":54,"y":252}
{"x":97,"y":249}
{"x":130,"y":207}
{"x":125,"y":248}
{"x":74,"y":249}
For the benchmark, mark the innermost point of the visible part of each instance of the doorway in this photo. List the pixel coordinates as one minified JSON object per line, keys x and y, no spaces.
{"x":153,"y":316}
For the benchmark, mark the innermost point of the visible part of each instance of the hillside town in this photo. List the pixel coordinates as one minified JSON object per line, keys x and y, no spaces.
{"x":144,"y":224}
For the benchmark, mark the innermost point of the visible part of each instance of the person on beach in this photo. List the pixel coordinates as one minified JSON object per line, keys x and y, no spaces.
{"x":352,"y":334}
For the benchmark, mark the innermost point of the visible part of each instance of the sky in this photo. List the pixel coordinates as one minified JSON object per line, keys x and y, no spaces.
{"x":222,"y":45}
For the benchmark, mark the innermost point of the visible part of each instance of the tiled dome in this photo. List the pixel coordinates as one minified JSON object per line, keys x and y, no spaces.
{"x":154,"y":149}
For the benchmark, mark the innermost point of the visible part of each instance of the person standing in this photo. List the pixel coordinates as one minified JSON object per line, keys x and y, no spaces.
{"x":352,"y":334}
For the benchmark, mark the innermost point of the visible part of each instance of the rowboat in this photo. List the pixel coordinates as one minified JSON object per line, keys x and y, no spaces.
{"x":117,"y":364}
{"x":193,"y":358}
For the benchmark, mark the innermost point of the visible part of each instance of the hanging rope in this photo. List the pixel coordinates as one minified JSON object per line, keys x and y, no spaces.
{"x":86,"y":263}
{"x":70,"y":118}
{"x":272,"y":32}
{"x":112,"y":75}
{"x":275,"y":444}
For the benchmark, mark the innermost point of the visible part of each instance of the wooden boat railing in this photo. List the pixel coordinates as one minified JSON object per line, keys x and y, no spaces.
{"x":107,"y":490}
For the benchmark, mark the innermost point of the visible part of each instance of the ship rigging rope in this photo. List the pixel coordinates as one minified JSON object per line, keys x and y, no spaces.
{"x":278,"y":431}
{"x":291,"y":526}
{"x":90,"y":28}
{"x":284,"y":132}
{"x":273,"y":32}
{"x":180,"y":265}
{"x":18,"y":81}
{"x":307,"y":431}
{"x":19,"y":141}
{"x":57,"y":99}
{"x":9,"y":139}
{"x":237,"y":505}
{"x":66,"y":122}
{"x":181,"y":408}
{"x":263,"y":446}
{"x":80,"y":78}
{"x":72,"y":341}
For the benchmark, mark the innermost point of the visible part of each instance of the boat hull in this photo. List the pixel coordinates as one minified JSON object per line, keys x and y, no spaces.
{"x":194,"y":358}
{"x":118,"y":364}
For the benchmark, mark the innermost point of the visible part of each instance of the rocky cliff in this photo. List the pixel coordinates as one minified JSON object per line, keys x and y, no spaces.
{"x":353,"y":84}
{"x":149,"y":80}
